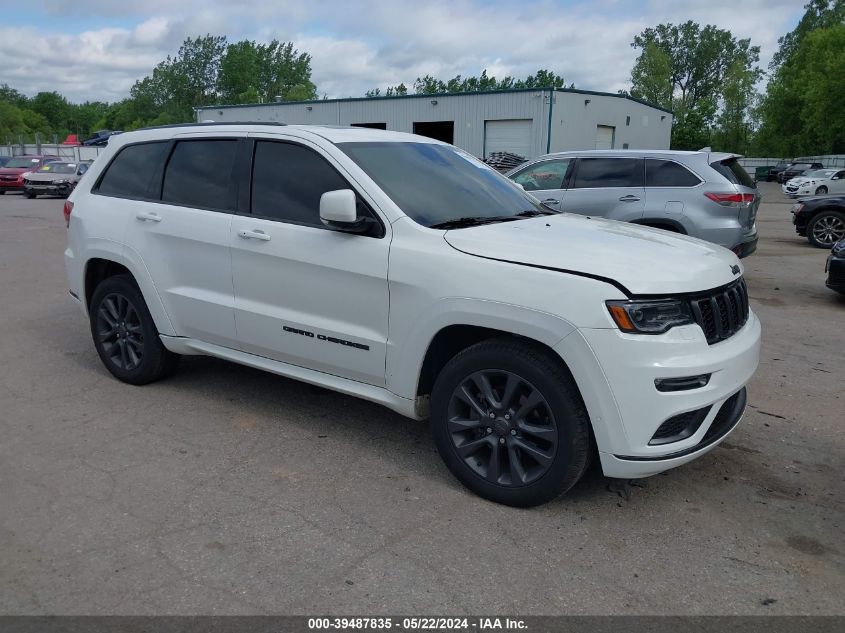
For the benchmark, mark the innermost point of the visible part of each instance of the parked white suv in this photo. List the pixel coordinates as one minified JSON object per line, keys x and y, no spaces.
{"x":402,"y":270}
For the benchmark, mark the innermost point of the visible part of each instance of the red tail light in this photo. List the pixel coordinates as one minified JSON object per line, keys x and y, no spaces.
{"x":731,"y":199}
{"x":67,"y":210}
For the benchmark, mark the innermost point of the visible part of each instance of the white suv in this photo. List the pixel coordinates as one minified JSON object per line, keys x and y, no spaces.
{"x":402,"y":270}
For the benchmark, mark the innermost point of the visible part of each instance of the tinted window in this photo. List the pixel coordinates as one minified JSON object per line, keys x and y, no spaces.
{"x":199,"y":174}
{"x":438,"y":183}
{"x":608,"y":172}
{"x":733,"y":171}
{"x":131,"y":171}
{"x":288,"y":180}
{"x":666,"y":173}
{"x":546,"y":175}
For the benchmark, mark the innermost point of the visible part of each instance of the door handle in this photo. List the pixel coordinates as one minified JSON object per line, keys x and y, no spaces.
{"x":254,"y":234}
{"x":551,"y":201}
{"x":148,"y":216}
{"x":629,"y":198}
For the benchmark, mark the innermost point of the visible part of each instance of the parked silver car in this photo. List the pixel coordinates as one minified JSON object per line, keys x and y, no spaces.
{"x":56,"y":178}
{"x":702,"y":194}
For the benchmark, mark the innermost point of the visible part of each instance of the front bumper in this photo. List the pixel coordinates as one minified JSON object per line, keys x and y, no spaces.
{"x":835,"y":269}
{"x":48,"y":188}
{"x":11,"y":185}
{"x":625,"y":407}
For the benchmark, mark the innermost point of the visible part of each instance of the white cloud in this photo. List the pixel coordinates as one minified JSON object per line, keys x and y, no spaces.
{"x":360,"y":45}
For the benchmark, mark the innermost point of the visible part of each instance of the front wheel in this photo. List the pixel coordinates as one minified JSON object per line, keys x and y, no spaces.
{"x":821,"y":191}
{"x":125,"y":335}
{"x":509,"y":423}
{"x":826,"y":228}
{"x":29,"y":194}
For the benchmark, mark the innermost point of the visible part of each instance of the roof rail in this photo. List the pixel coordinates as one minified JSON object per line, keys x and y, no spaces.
{"x":211,"y":123}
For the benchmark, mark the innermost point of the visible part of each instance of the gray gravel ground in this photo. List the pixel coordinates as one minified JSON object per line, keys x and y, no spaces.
{"x":228,"y":490}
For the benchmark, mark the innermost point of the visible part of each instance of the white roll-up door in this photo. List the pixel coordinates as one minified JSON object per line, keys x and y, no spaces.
{"x":604,"y":136}
{"x":508,"y":135}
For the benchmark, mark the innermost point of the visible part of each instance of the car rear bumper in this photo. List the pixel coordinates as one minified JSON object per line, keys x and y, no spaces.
{"x":746,"y":248}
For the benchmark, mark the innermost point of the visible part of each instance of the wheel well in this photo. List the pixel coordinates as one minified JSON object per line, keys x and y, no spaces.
{"x":450,"y":341}
{"x":96,"y":271}
{"x":666,"y":225}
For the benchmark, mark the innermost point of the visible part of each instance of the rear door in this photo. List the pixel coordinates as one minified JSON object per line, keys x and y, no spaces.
{"x":183,"y":237}
{"x":545,"y":180}
{"x":305,"y":294}
{"x":837,"y":182}
{"x":667,"y":187}
{"x":609,"y":187}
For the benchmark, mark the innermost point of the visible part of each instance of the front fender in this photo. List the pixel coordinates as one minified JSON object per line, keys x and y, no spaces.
{"x":405,"y":354}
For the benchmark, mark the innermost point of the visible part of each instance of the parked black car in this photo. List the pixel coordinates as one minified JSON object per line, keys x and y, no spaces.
{"x":777,"y":169}
{"x":796,"y":169}
{"x":821,"y":220}
{"x":100,"y":137}
{"x":835,"y":267}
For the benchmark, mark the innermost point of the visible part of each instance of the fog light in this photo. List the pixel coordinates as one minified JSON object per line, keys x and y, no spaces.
{"x":681,"y":384}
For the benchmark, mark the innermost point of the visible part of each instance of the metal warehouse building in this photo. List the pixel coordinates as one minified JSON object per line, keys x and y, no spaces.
{"x":526,"y":122}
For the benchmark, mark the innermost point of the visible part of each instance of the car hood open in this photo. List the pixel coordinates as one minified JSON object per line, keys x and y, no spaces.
{"x":643,"y":260}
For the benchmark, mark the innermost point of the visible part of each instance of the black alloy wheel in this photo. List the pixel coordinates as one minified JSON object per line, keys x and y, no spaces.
{"x":125,"y":334}
{"x":120,"y":332}
{"x":509,"y":422}
{"x":502,"y":427}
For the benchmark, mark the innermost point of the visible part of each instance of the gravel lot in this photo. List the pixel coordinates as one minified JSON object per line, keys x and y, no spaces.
{"x":228,"y":490}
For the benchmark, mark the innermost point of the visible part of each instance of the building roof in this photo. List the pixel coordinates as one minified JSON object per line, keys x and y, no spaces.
{"x":436,"y":96}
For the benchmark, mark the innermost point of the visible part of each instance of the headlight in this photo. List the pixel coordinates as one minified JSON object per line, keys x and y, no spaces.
{"x":839,"y":248}
{"x":650,"y":317}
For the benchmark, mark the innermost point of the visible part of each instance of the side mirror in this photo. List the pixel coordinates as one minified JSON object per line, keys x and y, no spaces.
{"x":339,"y":210}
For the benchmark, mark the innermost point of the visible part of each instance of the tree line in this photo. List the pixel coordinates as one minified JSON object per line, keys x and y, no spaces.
{"x":705,"y":75}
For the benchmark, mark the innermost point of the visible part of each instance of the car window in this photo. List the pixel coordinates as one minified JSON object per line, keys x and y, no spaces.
{"x":548,"y":174}
{"x":734,"y":172}
{"x":199,"y":174}
{"x":667,"y":173}
{"x":130,"y":173}
{"x":434,"y":184}
{"x":288,"y":181}
{"x":608,"y":172}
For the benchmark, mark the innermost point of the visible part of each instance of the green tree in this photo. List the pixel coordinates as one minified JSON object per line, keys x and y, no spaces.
{"x":699,"y":60}
{"x":458,"y":84}
{"x":261,"y":72}
{"x":802,"y":112}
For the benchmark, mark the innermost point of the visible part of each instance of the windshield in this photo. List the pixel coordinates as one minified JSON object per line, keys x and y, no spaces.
{"x":59,"y":168}
{"x":734,"y":172}
{"x":435,"y":184}
{"x":820,"y":173}
{"x":22,"y":161}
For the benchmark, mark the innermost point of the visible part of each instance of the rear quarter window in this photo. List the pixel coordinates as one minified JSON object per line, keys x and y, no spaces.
{"x":667,"y":173}
{"x":734,"y":172}
{"x":130,"y":173}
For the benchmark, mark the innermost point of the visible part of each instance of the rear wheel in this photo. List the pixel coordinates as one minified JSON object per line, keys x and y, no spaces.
{"x":821,"y":191}
{"x":509,"y":423}
{"x":125,"y":335}
{"x":826,"y":228}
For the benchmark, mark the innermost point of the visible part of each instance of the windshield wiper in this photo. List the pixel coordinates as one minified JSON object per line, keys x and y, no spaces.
{"x":533,"y":213}
{"x":478,"y":220}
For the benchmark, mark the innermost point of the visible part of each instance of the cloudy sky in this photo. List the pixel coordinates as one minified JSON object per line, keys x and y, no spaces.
{"x":96,"y":49}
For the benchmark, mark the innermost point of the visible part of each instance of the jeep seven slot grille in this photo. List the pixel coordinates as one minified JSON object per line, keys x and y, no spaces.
{"x":722,"y":313}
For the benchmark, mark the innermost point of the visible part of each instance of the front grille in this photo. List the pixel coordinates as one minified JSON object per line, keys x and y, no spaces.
{"x":679,"y":427}
{"x":722,"y":313}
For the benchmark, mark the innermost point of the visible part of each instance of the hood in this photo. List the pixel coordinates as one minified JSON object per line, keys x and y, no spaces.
{"x":13,"y":171}
{"x":643,"y":260}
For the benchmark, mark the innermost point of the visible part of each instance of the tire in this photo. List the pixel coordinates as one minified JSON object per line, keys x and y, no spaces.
{"x":826,"y":228}
{"x":821,"y":191}
{"x":556,"y":429}
{"x":134,"y":353}
{"x":29,"y":194}
{"x":2,"y":193}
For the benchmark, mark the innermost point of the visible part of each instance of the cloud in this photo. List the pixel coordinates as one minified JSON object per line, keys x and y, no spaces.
{"x":371,"y":43}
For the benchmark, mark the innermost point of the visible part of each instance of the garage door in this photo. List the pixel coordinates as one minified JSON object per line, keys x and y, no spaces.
{"x":508,"y":135}
{"x":604,"y":136}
